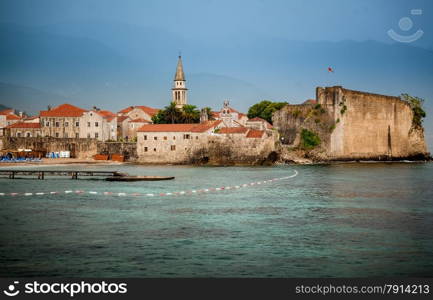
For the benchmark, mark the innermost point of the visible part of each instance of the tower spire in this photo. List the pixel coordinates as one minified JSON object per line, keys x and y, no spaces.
{"x":179,"y":90}
{"x":179,"y":70}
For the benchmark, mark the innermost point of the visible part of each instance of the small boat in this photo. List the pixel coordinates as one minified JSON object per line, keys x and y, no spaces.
{"x":138,"y":178}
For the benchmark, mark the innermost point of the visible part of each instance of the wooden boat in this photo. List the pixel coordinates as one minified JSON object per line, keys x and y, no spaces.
{"x":138,"y":178}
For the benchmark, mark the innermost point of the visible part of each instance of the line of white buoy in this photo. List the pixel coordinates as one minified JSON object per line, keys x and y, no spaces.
{"x":191,"y":192}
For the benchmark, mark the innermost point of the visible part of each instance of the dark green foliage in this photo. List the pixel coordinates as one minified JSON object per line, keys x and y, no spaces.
{"x":209,"y":113}
{"x":417,"y":107}
{"x":296,"y":113}
{"x":309,"y":139}
{"x":343,"y":110}
{"x":173,"y":115}
{"x":265,"y":109}
{"x":332,"y":127}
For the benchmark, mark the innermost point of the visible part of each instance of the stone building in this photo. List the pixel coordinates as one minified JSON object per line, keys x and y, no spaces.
{"x":135,"y":114}
{"x":22,"y":129}
{"x":258,"y":123}
{"x":7,"y":117}
{"x":179,"y":90}
{"x":99,"y":124}
{"x":205,"y":142}
{"x":353,"y":125}
{"x":172,"y":143}
{"x":133,"y":126}
{"x":230,"y":116}
{"x":63,"y":121}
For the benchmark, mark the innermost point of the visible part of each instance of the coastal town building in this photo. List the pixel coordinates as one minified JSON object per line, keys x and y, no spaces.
{"x":99,"y":124}
{"x":179,"y":90}
{"x":230,"y":116}
{"x":258,"y":123}
{"x":132,"y":118}
{"x":63,"y":121}
{"x":24,"y":129}
{"x":8,"y":117}
{"x":158,"y":143}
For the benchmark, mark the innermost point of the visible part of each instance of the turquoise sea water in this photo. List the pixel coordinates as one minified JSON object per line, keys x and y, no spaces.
{"x":340,"y":220}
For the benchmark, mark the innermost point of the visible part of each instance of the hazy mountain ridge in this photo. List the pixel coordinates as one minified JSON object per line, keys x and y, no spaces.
{"x":110,"y":64}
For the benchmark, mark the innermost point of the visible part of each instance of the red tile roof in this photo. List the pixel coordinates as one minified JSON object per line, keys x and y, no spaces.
{"x":64,"y":110}
{"x":106,"y":114}
{"x":148,"y":110}
{"x":122,"y":118}
{"x":126,"y":110}
{"x":202,"y":127}
{"x":257,"y":119}
{"x":25,"y":125}
{"x":310,"y":101}
{"x":140,"y":120}
{"x":12,"y":117}
{"x":31,"y":118}
{"x":7,"y":112}
{"x":256,"y":134}
{"x":233,"y":130}
{"x":166,"y":128}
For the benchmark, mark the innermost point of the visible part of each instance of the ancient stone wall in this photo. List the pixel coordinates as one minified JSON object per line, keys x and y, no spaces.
{"x":358,"y":125}
{"x":128,"y":150}
{"x":79,"y":148}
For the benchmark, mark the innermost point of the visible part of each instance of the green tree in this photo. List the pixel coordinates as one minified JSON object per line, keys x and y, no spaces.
{"x":190,"y":114}
{"x":265,"y":109}
{"x":417,"y":107}
{"x":209,"y":113}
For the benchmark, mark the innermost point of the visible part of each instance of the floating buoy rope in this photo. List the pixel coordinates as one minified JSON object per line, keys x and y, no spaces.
{"x":190,"y":192}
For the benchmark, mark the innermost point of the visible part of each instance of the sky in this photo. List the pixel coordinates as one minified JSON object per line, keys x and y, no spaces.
{"x":220,"y":19}
{"x":242,"y":50}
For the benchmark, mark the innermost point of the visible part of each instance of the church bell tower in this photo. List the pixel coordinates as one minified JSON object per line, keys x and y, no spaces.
{"x":179,"y":90}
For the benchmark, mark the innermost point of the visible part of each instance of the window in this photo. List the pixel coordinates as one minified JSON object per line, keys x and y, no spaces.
{"x":77,"y":135}
{"x":77,"y":124}
{"x":28,"y":134}
{"x":18,"y":134}
{"x":173,"y":147}
{"x":66,"y":135}
{"x":145,"y":149}
{"x":186,"y":136}
{"x":155,"y":138}
{"x":165,"y":138}
{"x":88,"y":124}
{"x":57,"y":134}
{"x":47,"y":124}
{"x":88,"y":135}
{"x":66,"y":124}
{"x":174,"y":137}
{"x":196,"y":137}
{"x":145,"y":137}
{"x":154,"y":149}
{"x":96,"y":124}
{"x":96,"y":135}
{"x":57,"y":124}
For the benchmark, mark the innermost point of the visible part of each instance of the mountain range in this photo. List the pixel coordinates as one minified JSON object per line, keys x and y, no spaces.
{"x":113,"y":65}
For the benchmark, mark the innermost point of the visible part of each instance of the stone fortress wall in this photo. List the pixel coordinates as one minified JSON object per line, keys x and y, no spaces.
{"x":354,"y":125}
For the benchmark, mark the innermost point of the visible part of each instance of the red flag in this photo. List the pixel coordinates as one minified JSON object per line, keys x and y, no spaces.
{"x":330,"y":70}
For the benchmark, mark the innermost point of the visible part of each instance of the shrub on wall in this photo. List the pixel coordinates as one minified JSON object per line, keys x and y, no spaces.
{"x":309,"y":139}
{"x":417,"y":107}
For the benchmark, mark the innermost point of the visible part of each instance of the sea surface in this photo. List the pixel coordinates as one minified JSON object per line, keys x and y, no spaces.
{"x":338,"y":220}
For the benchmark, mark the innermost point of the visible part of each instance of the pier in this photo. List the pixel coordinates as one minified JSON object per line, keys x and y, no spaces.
{"x":74,"y":174}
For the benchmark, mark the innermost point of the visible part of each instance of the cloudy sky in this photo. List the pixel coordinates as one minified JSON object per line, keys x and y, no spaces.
{"x":114,"y":53}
